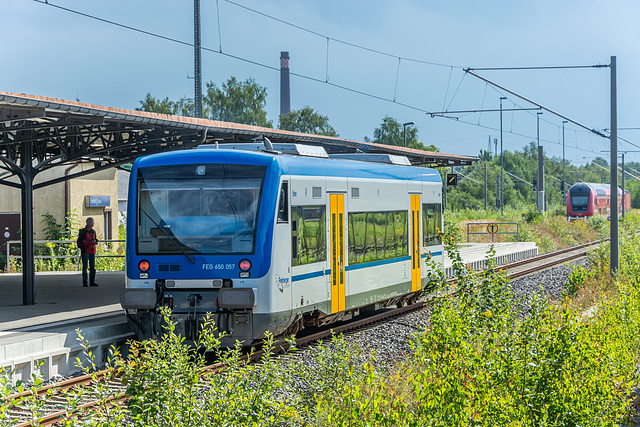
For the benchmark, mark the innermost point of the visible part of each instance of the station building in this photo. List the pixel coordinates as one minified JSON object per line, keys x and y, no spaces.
{"x":94,"y":195}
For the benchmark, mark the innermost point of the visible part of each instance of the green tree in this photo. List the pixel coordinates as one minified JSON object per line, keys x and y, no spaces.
{"x":181,"y":107}
{"x":306,"y":120}
{"x":238,"y":102}
{"x":391,"y":132}
{"x":157,"y":105}
{"x":186,"y":107}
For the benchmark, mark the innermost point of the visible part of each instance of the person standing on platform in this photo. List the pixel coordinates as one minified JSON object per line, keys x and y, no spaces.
{"x":87,"y":241}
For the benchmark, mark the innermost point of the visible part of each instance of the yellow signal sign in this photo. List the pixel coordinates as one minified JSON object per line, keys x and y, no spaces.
{"x":452,"y":179}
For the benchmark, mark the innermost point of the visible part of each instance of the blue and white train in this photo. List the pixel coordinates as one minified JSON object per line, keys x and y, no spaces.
{"x":275,"y":241}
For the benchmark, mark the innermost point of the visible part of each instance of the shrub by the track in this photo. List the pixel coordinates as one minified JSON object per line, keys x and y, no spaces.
{"x":479,"y":362}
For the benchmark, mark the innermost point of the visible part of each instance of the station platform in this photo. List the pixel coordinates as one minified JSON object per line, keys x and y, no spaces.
{"x":475,"y":254}
{"x":46,"y":331}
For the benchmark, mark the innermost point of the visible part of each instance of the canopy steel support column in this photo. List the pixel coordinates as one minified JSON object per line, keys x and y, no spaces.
{"x":27,"y":174}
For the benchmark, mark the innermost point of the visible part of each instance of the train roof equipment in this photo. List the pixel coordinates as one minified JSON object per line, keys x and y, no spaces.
{"x":277,"y":148}
{"x":304,"y":150}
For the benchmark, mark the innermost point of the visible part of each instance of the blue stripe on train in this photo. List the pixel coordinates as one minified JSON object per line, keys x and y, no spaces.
{"x":358,"y":266}
{"x":310,"y":275}
{"x":432,"y":254}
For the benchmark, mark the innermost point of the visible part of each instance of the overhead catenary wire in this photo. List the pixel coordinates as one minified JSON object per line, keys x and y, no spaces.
{"x":559,"y":128}
{"x":551,"y":67}
{"x":456,"y":92}
{"x":354,"y":45}
{"x":517,"y":177}
{"x":484,"y":95}
{"x":457,"y":119}
{"x":395,"y":89}
{"x":219,"y":30}
{"x":555,"y":113}
{"x":239,"y":58}
{"x":587,"y":130}
{"x":326,"y":80}
{"x":619,"y":168}
{"x":468,"y":177}
{"x":446,"y":92}
{"x":630,"y":168}
{"x":326,"y":75}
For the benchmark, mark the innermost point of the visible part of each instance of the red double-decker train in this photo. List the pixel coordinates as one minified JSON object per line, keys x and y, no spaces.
{"x":588,"y":199}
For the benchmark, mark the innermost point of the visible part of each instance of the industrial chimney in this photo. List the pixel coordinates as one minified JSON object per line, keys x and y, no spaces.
{"x":285,"y":96}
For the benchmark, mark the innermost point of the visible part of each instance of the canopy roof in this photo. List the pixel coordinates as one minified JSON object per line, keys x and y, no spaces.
{"x":54,"y":132}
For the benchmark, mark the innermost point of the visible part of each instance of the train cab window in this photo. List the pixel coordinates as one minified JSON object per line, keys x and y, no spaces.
{"x":212,"y":211}
{"x":283,"y":203}
{"x":431,"y":224}
{"x":580,"y":202}
{"x":308,"y":237}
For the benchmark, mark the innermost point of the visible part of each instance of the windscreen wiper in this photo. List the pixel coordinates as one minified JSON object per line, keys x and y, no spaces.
{"x":171,"y":237}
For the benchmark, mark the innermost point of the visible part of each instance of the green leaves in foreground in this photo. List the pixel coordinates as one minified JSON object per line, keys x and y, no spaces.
{"x":480,"y":363}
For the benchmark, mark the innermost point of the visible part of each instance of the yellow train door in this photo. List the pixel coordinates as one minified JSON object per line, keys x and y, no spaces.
{"x":416,"y":274}
{"x":336,"y":208}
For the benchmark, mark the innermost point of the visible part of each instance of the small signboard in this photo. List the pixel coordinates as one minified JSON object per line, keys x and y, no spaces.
{"x":452,"y":179}
{"x":492,"y":228}
{"x":97,"y":201}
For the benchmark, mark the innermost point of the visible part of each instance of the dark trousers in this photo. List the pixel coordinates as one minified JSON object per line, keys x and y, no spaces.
{"x":90,"y":260}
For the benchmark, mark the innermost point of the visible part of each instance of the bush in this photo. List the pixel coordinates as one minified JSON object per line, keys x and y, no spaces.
{"x":480,"y":362}
{"x":577,"y":279}
{"x":532,"y":216}
{"x":600,"y":224}
{"x":452,"y":229}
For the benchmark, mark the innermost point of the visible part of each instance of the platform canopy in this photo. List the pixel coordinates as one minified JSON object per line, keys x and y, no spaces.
{"x":38,"y":133}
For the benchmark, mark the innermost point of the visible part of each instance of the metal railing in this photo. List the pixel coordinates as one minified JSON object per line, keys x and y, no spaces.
{"x":77,"y":256}
{"x":493,"y":228}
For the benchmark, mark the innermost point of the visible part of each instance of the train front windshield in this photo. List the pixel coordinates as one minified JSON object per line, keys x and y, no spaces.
{"x":580,"y":201}
{"x":198,"y":209}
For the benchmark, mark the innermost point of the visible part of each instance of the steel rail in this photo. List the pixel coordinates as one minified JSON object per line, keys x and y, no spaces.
{"x":580,"y":254}
{"x":550,"y":254}
{"x":63,"y":385}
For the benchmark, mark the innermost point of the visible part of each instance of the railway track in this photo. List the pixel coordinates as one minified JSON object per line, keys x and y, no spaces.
{"x":53,"y":395}
{"x":548,"y":260}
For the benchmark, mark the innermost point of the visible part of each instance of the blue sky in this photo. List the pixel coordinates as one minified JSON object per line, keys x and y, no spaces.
{"x":50,"y":52}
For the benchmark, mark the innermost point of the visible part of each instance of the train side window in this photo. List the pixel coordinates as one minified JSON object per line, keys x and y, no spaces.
{"x":431,"y":224}
{"x":375,"y":236}
{"x":283,"y":204}
{"x":309,"y":234}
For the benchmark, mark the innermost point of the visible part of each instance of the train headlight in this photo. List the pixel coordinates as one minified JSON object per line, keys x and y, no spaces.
{"x":245,"y":266}
{"x":144,"y":267}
